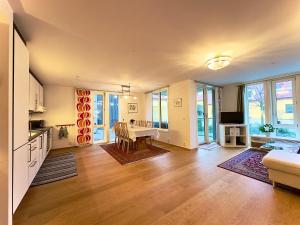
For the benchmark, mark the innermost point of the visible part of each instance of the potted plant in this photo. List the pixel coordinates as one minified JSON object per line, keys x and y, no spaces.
{"x":267,"y":129}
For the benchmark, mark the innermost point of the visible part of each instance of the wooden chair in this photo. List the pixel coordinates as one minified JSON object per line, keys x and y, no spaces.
{"x":149,"y":124}
{"x":143,"y":123}
{"x":124,"y":137}
{"x":117,"y":129}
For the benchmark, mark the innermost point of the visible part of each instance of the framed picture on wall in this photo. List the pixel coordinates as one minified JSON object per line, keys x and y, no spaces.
{"x":132,"y":107}
{"x":178,"y":102}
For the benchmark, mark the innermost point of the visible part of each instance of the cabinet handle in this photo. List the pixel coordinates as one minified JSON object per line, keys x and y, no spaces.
{"x":33,"y":164}
{"x":29,"y":154}
{"x":32,"y":149}
{"x":41,"y":142}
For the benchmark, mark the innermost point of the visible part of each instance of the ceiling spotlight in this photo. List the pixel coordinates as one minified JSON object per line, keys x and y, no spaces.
{"x":218,"y":62}
{"x":134,"y":97}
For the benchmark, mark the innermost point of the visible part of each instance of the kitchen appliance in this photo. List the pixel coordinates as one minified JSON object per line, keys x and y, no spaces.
{"x":36,"y":124}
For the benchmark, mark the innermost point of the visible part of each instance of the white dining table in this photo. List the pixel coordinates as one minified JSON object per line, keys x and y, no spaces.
{"x":136,"y":131}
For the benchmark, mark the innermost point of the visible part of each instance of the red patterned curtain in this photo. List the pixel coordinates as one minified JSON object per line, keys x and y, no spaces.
{"x":83,"y":111}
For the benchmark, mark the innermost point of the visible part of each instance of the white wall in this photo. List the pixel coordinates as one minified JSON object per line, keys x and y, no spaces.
{"x":229,"y":98}
{"x":182,"y":120}
{"x":6,"y":91}
{"x":140,"y":115}
{"x":60,"y":103}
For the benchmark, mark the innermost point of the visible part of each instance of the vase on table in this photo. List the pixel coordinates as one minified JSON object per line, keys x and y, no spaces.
{"x":268,"y":134}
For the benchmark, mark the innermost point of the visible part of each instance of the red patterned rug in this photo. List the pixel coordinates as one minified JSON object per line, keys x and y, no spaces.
{"x":248,"y":163}
{"x":134,"y":155}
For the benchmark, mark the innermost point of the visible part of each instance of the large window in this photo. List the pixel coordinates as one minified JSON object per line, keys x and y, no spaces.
{"x":255,"y":96}
{"x":283,"y":108}
{"x":272,"y":102}
{"x":160,"y":109}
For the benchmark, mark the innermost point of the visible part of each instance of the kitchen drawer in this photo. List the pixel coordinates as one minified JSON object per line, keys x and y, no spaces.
{"x":32,"y":170}
{"x":33,"y":152}
{"x":20,"y":174}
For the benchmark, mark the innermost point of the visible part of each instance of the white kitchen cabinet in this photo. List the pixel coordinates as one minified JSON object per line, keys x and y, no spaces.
{"x":36,"y":95}
{"x":40,"y":147}
{"x":21,"y":90}
{"x":33,"y":160}
{"x":20,"y":174}
{"x":41,"y":95}
{"x":32,"y":93}
{"x":45,"y":144}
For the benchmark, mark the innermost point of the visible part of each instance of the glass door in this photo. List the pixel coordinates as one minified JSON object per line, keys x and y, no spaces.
{"x":206,"y":114}
{"x":211,"y":113}
{"x":113,"y":114}
{"x":200,"y":115}
{"x":98,"y":117}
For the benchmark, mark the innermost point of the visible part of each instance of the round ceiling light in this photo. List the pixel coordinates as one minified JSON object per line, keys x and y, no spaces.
{"x":218,"y":62}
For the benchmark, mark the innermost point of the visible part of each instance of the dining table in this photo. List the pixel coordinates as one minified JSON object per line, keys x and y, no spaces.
{"x":136,"y":132}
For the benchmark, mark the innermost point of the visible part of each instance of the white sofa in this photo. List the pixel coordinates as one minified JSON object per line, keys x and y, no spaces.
{"x":283,"y":167}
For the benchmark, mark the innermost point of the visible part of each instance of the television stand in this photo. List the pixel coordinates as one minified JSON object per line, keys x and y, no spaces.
{"x":233,"y":135}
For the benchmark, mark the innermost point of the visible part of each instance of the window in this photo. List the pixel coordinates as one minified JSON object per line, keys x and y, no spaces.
{"x":255,"y":98}
{"x":289,"y":108}
{"x":160,"y":109}
{"x":283,"y":108}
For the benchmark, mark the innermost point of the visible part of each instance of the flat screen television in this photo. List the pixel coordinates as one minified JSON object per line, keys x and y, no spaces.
{"x":232,"y":117}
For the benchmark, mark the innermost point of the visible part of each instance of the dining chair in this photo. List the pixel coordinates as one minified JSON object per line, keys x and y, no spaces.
{"x":124,"y":137}
{"x":149,"y":124}
{"x":144,"y":123}
{"x":117,"y":129}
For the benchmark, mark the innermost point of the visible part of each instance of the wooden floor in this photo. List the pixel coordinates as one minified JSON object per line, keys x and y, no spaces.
{"x":179,"y":188}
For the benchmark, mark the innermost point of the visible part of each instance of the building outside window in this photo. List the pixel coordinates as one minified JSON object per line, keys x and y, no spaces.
{"x":282,"y":105}
{"x":283,"y":108}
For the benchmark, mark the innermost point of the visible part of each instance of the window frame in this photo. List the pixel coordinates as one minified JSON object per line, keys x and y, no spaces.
{"x":274,"y":104}
{"x":246,"y":106}
{"x":160,"y":111}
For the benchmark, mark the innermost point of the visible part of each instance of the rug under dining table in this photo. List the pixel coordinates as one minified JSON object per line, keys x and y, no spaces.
{"x":134,"y":155}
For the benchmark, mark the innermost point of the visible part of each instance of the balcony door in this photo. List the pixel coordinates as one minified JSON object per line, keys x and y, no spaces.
{"x":206,"y":114}
{"x":98,"y":118}
{"x":106,"y":112}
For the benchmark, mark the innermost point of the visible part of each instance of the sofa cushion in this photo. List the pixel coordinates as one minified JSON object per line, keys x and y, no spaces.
{"x":283,"y":161}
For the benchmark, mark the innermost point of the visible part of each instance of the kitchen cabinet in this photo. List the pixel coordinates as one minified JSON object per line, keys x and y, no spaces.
{"x":32,"y":93}
{"x":21,"y":90}
{"x":36,"y":95}
{"x":33,"y":160}
{"x":41,"y":95}
{"x":27,"y":161}
{"x":41,"y":146}
{"x":20,"y":174}
{"x":45,"y":144}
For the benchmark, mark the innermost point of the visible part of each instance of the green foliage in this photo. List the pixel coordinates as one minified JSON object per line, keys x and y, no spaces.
{"x":266,"y":128}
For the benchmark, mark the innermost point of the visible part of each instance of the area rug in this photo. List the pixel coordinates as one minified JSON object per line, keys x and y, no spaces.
{"x":248,"y":163}
{"x":210,"y":147}
{"x":56,"y":167}
{"x":134,"y":155}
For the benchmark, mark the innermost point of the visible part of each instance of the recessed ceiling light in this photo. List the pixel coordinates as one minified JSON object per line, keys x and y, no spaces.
{"x":218,"y":62}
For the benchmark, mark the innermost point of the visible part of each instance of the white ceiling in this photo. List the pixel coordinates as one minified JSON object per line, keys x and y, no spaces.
{"x":152,"y":43}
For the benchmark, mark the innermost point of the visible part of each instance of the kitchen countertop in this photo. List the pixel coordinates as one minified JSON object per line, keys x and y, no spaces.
{"x":35,"y":133}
